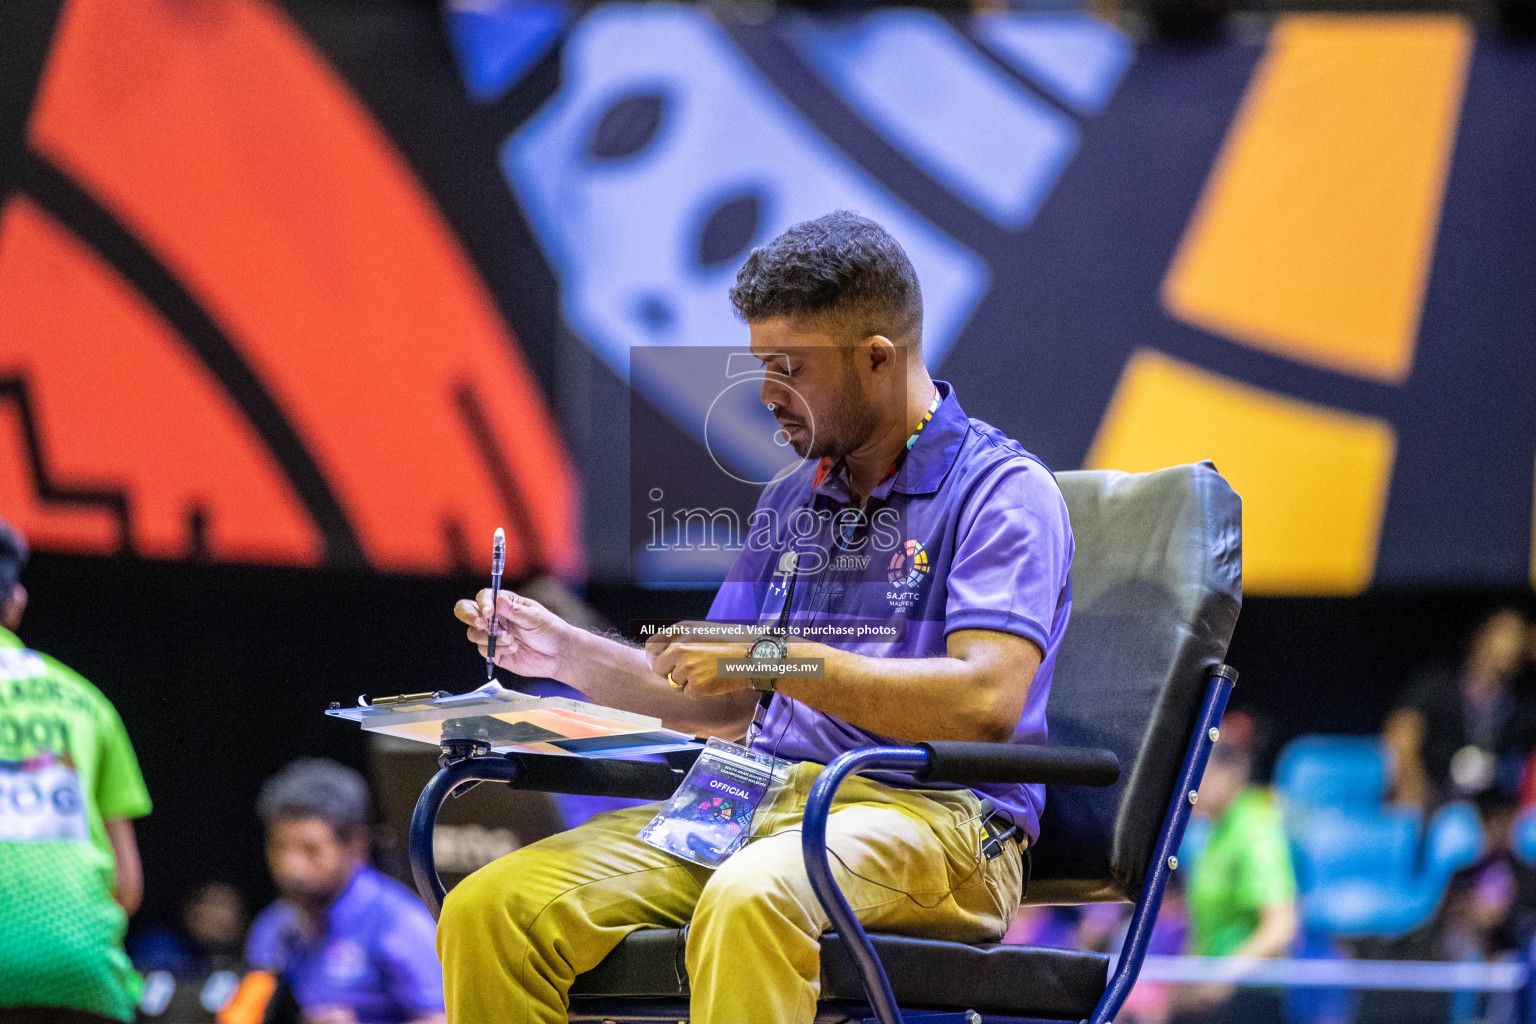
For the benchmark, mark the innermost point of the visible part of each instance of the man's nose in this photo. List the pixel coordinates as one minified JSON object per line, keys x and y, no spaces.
{"x":773,"y":393}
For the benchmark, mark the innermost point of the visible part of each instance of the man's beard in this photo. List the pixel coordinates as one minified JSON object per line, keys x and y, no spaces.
{"x":843,"y":427}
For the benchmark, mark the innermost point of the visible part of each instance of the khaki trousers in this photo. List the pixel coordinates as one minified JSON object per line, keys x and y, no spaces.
{"x":515,"y":934}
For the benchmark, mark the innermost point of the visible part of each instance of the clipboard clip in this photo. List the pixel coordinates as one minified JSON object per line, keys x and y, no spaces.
{"x":403,"y":698}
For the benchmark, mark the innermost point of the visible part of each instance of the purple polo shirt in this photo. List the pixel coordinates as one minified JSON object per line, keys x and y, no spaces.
{"x":377,"y":956}
{"x":970,"y":533}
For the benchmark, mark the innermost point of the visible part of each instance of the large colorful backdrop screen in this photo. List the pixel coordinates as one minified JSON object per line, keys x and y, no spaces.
{"x":338,"y":286}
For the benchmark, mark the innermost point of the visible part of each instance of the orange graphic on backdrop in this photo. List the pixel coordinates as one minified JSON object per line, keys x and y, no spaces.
{"x":223,"y":141}
{"x":1315,"y":232}
{"x":90,"y":350}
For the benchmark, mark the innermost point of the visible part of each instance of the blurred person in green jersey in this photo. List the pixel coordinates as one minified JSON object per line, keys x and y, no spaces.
{"x":69,"y":865}
{"x":1241,"y":895}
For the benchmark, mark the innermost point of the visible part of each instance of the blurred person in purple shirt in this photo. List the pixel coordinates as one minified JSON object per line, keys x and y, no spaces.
{"x":353,"y":945}
{"x":922,"y":556}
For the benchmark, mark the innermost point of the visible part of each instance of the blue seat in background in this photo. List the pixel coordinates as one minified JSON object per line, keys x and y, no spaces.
{"x":1454,"y":840}
{"x":1333,"y":771}
{"x":1364,"y":867}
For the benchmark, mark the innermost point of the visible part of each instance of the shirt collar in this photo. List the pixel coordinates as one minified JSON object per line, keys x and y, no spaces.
{"x":9,"y":639}
{"x":926,"y":463}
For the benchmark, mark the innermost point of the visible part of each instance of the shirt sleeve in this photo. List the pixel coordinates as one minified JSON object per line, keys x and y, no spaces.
{"x":120,"y":791}
{"x":409,"y":949}
{"x":1013,"y":553}
{"x":263,"y":946}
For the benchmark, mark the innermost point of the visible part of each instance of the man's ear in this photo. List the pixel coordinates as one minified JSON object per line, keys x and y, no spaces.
{"x":881,"y":352}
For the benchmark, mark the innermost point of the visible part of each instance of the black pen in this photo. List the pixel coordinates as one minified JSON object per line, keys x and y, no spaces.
{"x":498,"y":562}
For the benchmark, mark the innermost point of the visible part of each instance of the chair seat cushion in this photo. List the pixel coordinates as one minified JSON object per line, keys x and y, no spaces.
{"x":1019,"y":980}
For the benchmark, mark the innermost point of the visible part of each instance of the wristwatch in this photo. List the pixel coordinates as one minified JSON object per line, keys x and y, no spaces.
{"x":768,"y":647}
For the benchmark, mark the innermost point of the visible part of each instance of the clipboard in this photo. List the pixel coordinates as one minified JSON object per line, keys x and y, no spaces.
{"x":511,"y":722}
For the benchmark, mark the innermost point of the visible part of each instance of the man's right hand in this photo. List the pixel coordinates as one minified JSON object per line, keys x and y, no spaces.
{"x":531,"y":640}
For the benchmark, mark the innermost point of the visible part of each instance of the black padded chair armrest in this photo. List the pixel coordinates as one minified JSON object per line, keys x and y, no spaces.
{"x":1018,"y":762}
{"x":585,"y":776}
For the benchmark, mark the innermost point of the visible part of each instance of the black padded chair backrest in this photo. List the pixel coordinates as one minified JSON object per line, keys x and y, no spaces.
{"x":1156,"y":587}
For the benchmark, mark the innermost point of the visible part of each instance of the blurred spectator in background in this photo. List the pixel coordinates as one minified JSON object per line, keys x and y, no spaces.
{"x":353,"y":945}
{"x":1489,"y":911}
{"x":69,"y":865}
{"x":1241,"y":897}
{"x":211,"y":937}
{"x":1458,"y":730}
{"x":1489,"y":908}
{"x":215,"y":921}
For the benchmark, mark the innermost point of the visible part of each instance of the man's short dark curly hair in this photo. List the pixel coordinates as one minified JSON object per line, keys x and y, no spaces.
{"x":841,"y":271}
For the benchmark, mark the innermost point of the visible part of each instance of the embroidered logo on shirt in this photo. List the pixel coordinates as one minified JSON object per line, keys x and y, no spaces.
{"x":909,"y":564}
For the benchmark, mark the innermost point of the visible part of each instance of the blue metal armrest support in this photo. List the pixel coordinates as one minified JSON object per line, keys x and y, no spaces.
{"x":947,"y":762}
{"x":466,"y":764}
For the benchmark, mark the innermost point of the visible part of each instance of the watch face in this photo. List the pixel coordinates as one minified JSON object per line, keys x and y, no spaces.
{"x":767,"y":647}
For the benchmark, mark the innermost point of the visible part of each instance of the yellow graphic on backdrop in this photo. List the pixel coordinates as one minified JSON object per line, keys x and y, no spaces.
{"x":1314,"y":234}
{"x":1313,"y":480}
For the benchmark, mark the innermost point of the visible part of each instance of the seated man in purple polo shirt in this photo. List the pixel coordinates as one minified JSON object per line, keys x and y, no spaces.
{"x":353,"y":945}
{"x":923,"y":556}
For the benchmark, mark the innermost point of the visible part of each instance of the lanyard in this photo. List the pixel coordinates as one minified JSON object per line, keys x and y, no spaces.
{"x":781,"y":627}
{"x":841,"y":539}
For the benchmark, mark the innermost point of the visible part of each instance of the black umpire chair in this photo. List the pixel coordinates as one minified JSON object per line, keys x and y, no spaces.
{"x":1139,"y":690}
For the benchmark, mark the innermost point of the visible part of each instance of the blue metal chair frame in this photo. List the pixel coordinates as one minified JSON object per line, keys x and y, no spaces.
{"x":467,"y":765}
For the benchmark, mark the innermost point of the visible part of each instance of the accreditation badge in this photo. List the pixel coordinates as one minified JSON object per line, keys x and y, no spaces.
{"x":710,"y":816}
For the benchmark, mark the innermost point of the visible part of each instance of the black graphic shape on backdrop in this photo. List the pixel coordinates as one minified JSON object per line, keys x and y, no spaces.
{"x":50,"y":491}
{"x":494,"y":457}
{"x":1459,"y":505}
{"x":729,"y":229}
{"x":627,"y":126}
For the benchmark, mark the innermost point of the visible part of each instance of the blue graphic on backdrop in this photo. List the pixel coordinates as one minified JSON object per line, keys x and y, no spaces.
{"x":963,"y":120}
{"x":1077,"y":58}
{"x":497,"y":40}
{"x":662,"y":160}
{"x":667,"y":154}
{"x":1076,"y":286}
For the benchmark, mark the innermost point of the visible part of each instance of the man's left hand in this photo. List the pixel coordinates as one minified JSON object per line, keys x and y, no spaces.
{"x":691,"y":665}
